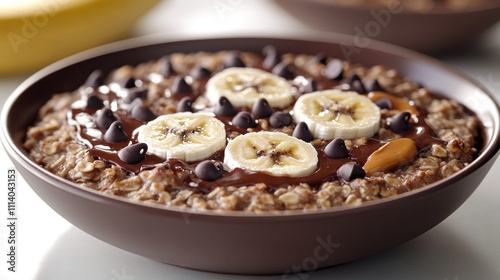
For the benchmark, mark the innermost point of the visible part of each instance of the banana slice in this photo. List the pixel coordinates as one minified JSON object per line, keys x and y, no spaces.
{"x":333,"y":114}
{"x":244,"y":86}
{"x":272,"y":152}
{"x":185,"y":136}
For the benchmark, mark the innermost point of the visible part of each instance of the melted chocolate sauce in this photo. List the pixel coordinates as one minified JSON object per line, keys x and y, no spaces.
{"x":92,"y":136}
{"x":421,"y":132}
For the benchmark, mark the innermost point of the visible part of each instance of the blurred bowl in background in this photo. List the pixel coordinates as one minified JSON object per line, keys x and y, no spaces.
{"x":36,"y":33}
{"x":431,"y":31}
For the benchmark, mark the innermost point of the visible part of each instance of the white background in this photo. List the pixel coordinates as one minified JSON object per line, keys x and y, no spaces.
{"x":464,"y":246}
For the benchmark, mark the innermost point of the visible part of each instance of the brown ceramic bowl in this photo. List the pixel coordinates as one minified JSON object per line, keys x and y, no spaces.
{"x":247,"y":243}
{"x":435,"y":31}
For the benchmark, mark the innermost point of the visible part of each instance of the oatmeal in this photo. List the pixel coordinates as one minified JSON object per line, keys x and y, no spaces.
{"x":252,"y":132}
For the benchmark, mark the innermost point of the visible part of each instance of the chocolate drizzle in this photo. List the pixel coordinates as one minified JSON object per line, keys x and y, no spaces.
{"x":421,"y":132}
{"x":83,"y":118}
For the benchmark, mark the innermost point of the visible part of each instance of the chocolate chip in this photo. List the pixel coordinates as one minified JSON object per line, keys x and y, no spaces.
{"x":261,"y":109}
{"x":271,"y":57}
{"x":374,"y":85}
{"x":224,"y":107}
{"x":134,"y":153}
{"x":185,"y":105}
{"x":423,"y":152}
{"x":334,"y":70}
{"x":336,"y":149}
{"x":95,"y":79}
{"x":320,"y":58}
{"x":384,"y":103}
{"x":284,"y":69}
{"x":134,"y":93}
{"x":129,"y":83}
{"x":311,"y":86}
{"x":115,"y":133}
{"x":199,"y":72}
{"x":356,"y":84}
{"x":181,"y":86}
{"x":94,"y":102}
{"x":142,"y":113}
{"x":244,"y":120}
{"x":280,"y":119}
{"x":166,"y":67}
{"x":233,"y":59}
{"x":134,"y":103}
{"x":353,"y":78}
{"x":209,"y":170}
{"x":105,"y":118}
{"x":302,"y":132}
{"x":350,"y":171}
{"x":400,"y":122}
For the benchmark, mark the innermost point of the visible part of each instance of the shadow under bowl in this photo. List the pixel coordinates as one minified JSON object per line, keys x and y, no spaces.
{"x":249,"y":243}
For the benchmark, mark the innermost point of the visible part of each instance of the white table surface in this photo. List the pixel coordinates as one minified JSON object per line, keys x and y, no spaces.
{"x":464,"y":246}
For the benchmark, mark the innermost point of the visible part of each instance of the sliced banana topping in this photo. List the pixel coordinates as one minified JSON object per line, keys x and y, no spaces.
{"x":272,"y":152}
{"x":244,"y":86}
{"x":333,"y":114}
{"x":185,"y":136}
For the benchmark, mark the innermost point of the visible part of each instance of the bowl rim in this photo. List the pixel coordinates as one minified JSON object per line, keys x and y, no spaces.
{"x":485,"y":7}
{"x":488,"y":152}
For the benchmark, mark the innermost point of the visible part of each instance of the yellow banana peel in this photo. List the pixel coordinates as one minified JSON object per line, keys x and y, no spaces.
{"x":48,"y":30}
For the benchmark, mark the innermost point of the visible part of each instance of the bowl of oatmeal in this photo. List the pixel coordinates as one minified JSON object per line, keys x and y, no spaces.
{"x":252,"y":155}
{"x":434,"y":27}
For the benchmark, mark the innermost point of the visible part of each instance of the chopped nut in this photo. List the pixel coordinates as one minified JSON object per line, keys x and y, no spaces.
{"x":397,"y":102}
{"x":391,"y":155}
